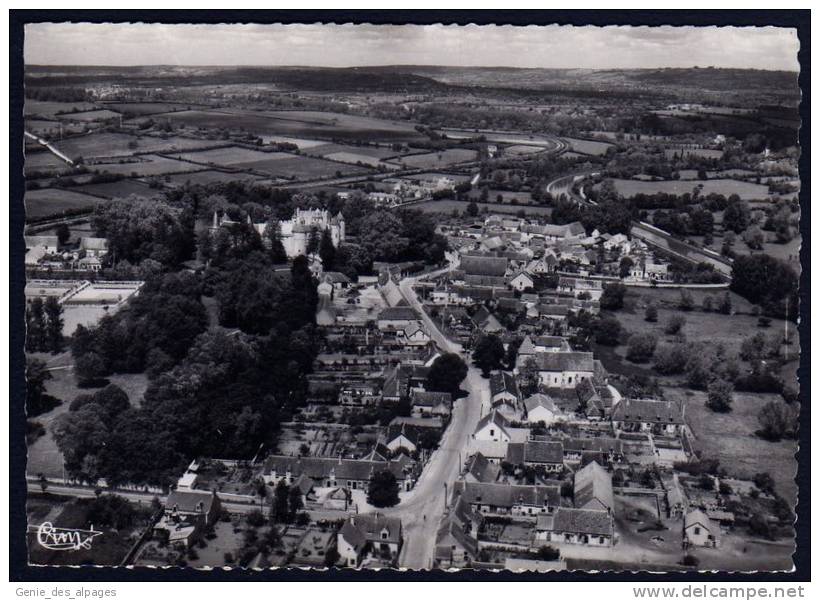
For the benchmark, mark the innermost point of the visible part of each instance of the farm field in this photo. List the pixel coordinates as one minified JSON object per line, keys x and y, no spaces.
{"x":48,"y":109}
{"x":231,"y":156}
{"x":148,"y":164}
{"x":448,"y":205}
{"x":207,"y":177}
{"x":502,"y":137}
{"x":42,"y":126}
{"x":301,"y":143}
{"x":745,"y":190}
{"x":522,"y":150}
{"x":589,"y":147}
{"x":431,"y":160}
{"x":120,"y":189}
{"x":354,"y":159}
{"x":146,"y":108}
{"x":43,"y":161}
{"x":114,"y":145}
{"x":89,"y":116}
{"x":275,"y":164}
{"x":306,"y":124}
{"x":46,"y":202}
{"x":377,"y":152}
{"x":730,"y":437}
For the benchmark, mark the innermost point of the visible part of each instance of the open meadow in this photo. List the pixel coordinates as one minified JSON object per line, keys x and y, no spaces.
{"x":46,"y":202}
{"x":745,"y":190}
{"x":730,"y":437}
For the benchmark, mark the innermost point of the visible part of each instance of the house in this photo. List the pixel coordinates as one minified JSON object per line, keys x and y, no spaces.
{"x":522,"y":281}
{"x":431,"y":404}
{"x":509,"y":499}
{"x":397,"y":318}
{"x":414,"y":335}
{"x":402,"y":438}
{"x":541,"y":409}
{"x":699,"y":530}
{"x":504,"y":389}
{"x":94,"y":247}
{"x":494,"y":450}
{"x":648,"y":415}
{"x":591,"y":289}
{"x":484,"y":271}
{"x":550,"y":344}
{"x":546,"y":454}
{"x":576,"y":526}
{"x":565,"y":369}
{"x":370,"y":534}
{"x":593,"y":488}
{"x":493,"y":426}
{"x":457,"y":535}
{"x":329,"y":472}
{"x":481,"y":469}
{"x":487,"y":322}
{"x":400,"y":381}
{"x":605,"y":448}
{"x":186,"y":515}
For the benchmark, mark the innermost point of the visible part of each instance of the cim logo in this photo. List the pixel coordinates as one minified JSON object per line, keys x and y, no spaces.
{"x":63,"y":539}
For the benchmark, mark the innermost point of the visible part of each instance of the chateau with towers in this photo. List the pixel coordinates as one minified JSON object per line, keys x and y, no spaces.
{"x":296,"y":231}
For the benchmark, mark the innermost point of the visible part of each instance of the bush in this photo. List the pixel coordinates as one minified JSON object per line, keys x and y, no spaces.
{"x":719,"y":396}
{"x":641,"y":347}
{"x":651,"y":313}
{"x":691,"y":561}
{"x":675,"y":324}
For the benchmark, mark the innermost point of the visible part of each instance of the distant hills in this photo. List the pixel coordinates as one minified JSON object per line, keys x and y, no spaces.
{"x":709,"y":83}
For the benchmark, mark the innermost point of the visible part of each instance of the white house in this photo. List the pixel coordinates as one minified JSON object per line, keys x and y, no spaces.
{"x":522,"y":281}
{"x":699,"y":530}
{"x":541,"y":408}
{"x":493,"y":426}
{"x":564,"y":370}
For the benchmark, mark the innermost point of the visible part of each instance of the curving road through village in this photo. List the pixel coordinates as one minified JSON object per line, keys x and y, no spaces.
{"x":421,"y":510}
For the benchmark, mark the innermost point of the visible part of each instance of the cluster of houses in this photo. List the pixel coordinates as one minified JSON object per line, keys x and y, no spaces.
{"x":397,"y":191}
{"x":46,"y":253}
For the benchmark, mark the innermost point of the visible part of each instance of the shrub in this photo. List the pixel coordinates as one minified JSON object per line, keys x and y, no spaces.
{"x":675,"y":324}
{"x":641,"y":347}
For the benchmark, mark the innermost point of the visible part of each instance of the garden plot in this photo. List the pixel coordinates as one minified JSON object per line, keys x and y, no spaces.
{"x":46,"y":202}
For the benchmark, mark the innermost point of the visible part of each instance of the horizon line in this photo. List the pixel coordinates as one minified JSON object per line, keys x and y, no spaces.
{"x":406,"y":65}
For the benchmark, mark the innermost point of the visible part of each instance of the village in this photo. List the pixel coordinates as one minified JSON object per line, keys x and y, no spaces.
{"x":374,"y":332}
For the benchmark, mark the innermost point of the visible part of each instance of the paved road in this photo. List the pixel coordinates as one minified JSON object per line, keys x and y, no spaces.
{"x":421,"y":510}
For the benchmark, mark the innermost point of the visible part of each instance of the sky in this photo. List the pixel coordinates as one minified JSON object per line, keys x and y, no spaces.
{"x":551,"y":46}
